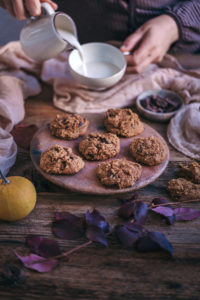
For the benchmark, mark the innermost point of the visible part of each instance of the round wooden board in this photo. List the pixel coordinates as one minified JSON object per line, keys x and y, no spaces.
{"x":86,"y":181}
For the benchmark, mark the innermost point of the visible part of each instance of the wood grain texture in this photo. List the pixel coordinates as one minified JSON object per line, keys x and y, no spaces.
{"x":97,"y":272}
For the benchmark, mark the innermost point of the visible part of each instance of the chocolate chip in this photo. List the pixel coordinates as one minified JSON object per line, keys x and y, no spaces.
{"x":57,"y":149}
{"x":63,"y":165}
{"x":103,"y":140}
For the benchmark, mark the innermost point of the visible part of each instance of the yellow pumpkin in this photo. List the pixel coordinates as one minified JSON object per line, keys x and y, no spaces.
{"x":17,"y":197}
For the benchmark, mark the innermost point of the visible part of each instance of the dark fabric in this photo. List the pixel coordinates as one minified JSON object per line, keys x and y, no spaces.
{"x":103,"y":20}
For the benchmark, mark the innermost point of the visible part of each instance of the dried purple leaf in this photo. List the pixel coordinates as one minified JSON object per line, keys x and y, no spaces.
{"x":95,"y":218}
{"x":42,"y":267}
{"x":185,"y":214}
{"x":33,"y":242}
{"x":158,"y":201}
{"x":68,"y":226}
{"x":163,"y":211}
{"x":140,"y":212}
{"x":136,"y":209}
{"x":133,"y":227}
{"x":167,"y":212}
{"x":126,"y":236}
{"x":43,"y":247}
{"x":126,"y":210}
{"x":170,"y":220}
{"x":23,"y":134}
{"x":65,"y":215}
{"x":152,"y":241}
{"x":96,"y":234}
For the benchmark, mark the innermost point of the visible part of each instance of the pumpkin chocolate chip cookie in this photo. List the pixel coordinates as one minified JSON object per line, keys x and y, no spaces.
{"x":191,"y":171}
{"x":123,"y":122}
{"x":68,"y":126}
{"x":148,"y":150}
{"x":99,"y":146}
{"x":119,"y":173}
{"x":60,"y":160}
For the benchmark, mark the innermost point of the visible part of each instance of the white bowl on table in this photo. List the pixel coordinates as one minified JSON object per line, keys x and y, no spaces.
{"x":95,"y":53}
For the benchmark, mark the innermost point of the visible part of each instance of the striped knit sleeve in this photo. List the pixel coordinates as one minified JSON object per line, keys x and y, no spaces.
{"x":187,"y":16}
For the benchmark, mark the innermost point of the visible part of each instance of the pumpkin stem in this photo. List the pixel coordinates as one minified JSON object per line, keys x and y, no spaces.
{"x":4,"y":179}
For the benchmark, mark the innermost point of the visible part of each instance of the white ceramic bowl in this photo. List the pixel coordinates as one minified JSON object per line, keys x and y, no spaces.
{"x":155,"y":116}
{"x":98,"y":53}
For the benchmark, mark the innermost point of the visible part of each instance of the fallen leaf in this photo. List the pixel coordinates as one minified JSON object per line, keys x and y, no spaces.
{"x":166,"y":210}
{"x":96,"y":234}
{"x":158,"y":201}
{"x":126,"y":210}
{"x":152,"y":241}
{"x":185,"y":214}
{"x":96,"y":219}
{"x":133,"y":226}
{"x":140,"y":212}
{"x":42,"y":246}
{"x":23,"y":134}
{"x":42,"y":267}
{"x":126,"y":236}
{"x":163,"y":211}
{"x":64,"y":230}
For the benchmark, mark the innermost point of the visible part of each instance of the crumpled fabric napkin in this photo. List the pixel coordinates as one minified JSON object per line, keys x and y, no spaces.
{"x":15,"y":86}
{"x":184,"y":131}
{"x":19,"y":79}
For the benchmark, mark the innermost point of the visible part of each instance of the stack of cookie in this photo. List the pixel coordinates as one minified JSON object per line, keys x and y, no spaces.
{"x":97,"y":146}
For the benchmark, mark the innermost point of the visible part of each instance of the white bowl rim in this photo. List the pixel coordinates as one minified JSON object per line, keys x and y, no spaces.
{"x":104,"y":78}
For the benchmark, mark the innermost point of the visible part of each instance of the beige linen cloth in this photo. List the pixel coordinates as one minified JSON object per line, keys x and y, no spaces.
{"x":19,"y":79}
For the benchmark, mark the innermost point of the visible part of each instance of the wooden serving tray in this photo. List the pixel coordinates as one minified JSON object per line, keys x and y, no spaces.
{"x":86,"y":181}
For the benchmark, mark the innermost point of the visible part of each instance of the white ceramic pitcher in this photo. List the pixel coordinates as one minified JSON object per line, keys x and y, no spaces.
{"x":40,"y":39}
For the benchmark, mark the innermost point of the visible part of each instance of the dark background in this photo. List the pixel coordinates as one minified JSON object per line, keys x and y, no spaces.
{"x":9,"y":27}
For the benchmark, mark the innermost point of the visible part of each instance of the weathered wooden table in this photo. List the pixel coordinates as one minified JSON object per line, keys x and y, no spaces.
{"x":97,"y":272}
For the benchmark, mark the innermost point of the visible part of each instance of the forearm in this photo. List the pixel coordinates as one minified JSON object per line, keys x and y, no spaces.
{"x":186,"y":14}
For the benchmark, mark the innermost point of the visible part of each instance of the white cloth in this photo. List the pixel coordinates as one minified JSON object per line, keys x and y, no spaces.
{"x":184,"y":130}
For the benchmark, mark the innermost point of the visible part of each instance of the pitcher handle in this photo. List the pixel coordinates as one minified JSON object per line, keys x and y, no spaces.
{"x":47,"y":9}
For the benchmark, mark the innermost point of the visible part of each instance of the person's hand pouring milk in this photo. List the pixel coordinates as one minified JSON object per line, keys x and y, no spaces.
{"x":147,"y":29}
{"x":21,"y":9}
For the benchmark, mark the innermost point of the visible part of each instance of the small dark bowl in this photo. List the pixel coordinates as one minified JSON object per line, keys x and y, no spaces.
{"x":155,"y":116}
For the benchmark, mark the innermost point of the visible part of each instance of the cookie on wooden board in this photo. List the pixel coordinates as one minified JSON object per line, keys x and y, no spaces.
{"x":60,"y":160}
{"x":99,"y":146}
{"x":148,"y":150}
{"x":119,"y":173}
{"x":123,"y":122}
{"x":68,"y":126}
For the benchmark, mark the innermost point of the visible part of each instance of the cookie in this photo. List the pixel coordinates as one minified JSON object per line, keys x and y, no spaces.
{"x":182,"y":189}
{"x":60,"y":160}
{"x":123,"y":122}
{"x":119,"y":173}
{"x":191,"y":171}
{"x":68,"y":126}
{"x":148,"y":150}
{"x":99,"y":146}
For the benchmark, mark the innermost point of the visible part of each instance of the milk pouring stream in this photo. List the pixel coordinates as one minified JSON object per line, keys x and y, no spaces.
{"x":92,"y":69}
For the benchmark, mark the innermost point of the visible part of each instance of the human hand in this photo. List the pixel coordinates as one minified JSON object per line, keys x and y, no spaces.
{"x":150,"y":43}
{"x":22,"y":9}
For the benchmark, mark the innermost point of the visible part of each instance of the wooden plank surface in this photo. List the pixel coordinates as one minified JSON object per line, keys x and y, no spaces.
{"x":96,"y":272}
